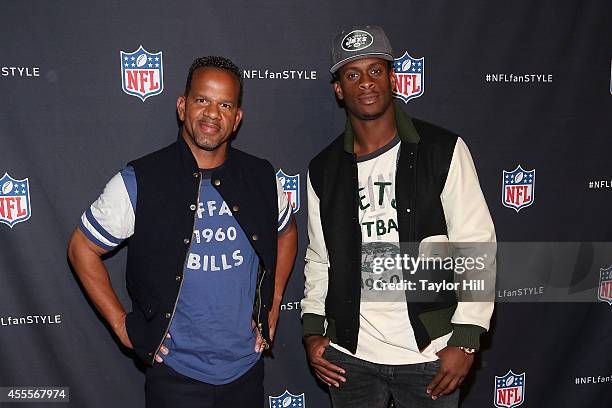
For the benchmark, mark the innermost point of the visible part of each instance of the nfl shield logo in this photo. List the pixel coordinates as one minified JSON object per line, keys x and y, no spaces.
{"x":14,"y":200}
{"x":409,"y":77}
{"x":605,"y":285}
{"x":518,"y":188}
{"x":509,"y":390}
{"x":291,"y":186}
{"x":142,"y":73}
{"x":288,"y":400}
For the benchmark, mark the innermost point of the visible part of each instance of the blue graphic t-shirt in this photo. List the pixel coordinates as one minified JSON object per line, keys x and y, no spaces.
{"x":211,"y":335}
{"x":212,"y":339}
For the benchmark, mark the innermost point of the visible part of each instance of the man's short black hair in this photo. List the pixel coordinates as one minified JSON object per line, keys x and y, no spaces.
{"x":214,"y":62}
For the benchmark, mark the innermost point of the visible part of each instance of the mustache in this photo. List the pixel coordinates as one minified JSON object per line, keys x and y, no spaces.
{"x":210,"y":122}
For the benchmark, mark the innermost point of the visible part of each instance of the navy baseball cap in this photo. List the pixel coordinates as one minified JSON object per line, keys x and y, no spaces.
{"x":359,"y":42}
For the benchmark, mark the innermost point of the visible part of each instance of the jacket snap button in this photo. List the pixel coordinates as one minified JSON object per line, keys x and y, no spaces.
{"x":217,"y":182}
{"x":196,"y":174}
{"x":192,"y":207}
{"x":186,"y":241}
{"x":255,"y":237}
{"x":235,"y":208}
{"x":407,"y":209}
{"x":168,"y":315}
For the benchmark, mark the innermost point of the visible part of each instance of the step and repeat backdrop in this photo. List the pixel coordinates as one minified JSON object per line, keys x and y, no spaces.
{"x":527,"y":84}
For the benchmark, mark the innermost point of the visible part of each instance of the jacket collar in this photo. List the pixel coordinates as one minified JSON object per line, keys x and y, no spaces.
{"x":405,"y":128}
{"x":188,"y":161}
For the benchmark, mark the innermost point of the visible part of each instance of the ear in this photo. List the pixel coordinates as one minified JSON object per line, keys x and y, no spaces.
{"x":392,"y":78}
{"x":338,"y":90}
{"x":180,"y":107}
{"x":238,"y":119}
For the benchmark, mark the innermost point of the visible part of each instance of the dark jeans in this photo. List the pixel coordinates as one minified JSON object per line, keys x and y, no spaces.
{"x":165,"y":388}
{"x":370,"y":385}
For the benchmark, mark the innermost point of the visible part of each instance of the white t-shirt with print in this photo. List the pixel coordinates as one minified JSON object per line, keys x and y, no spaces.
{"x":385,"y":333}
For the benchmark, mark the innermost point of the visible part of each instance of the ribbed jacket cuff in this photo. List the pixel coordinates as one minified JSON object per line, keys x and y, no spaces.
{"x":466,"y":335}
{"x":313,"y":324}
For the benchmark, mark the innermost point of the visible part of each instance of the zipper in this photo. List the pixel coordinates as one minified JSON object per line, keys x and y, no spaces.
{"x":412,"y":204}
{"x":258,"y":318}
{"x":356,"y":209}
{"x":183,"y":279}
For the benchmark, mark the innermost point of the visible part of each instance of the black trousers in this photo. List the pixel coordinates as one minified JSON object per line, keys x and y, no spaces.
{"x":165,"y":388}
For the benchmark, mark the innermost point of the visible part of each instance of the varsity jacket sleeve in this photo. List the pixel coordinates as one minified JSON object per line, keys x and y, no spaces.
{"x":471,"y":232}
{"x":110,"y":219}
{"x":315,"y":270}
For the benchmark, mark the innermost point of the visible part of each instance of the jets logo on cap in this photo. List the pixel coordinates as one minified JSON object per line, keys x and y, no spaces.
{"x":357,"y":40}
